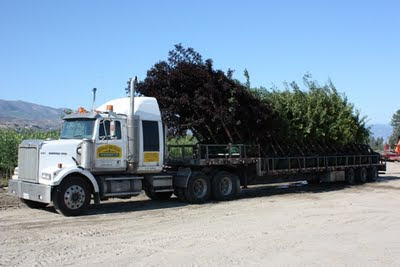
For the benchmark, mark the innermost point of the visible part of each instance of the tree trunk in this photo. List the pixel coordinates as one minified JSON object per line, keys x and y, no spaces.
{"x":222,"y":121}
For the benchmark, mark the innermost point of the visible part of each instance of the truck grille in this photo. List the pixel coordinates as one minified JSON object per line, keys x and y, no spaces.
{"x":28,"y":164}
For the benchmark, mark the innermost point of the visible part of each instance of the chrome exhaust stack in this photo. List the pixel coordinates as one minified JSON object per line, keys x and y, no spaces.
{"x":131,"y":126}
{"x":94,"y":99}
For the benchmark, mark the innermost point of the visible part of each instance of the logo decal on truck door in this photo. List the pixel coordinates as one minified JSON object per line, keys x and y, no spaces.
{"x":109,"y":151}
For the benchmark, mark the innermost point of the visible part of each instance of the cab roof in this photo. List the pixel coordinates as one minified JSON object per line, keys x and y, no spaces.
{"x":145,"y":107}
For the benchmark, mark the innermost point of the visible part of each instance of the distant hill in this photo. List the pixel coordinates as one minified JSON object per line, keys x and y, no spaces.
{"x":20,"y":114}
{"x":381,"y":130}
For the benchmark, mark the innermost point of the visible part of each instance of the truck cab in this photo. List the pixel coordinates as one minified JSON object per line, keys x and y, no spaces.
{"x":93,"y":158}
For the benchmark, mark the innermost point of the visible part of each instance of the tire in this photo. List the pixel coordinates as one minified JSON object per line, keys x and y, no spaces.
{"x":34,"y":204}
{"x":72,"y":197}
{"x":350,"y":176}
{"x":238,"y":187}
{"x":373,"y":174}
{"x":224,"y":186}
{"x":180,"y":194}
{"x":361,"y":175}
{"x":198,"y":189}
{"x":157,"y":195}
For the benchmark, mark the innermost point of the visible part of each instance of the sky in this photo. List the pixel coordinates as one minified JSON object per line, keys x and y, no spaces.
{"x":54,"y":52}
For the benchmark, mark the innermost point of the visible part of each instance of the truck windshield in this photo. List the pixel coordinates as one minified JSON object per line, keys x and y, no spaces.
{"x":77,"y":129}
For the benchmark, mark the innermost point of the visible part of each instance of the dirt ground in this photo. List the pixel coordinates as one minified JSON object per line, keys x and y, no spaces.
{"x":298,"y":224}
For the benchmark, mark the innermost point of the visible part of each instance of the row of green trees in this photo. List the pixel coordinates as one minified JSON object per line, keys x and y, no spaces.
{"x":9,"y":141}
{"x":318,"y":114}
{"x":376,"y":143}
{"x":395,"y":123}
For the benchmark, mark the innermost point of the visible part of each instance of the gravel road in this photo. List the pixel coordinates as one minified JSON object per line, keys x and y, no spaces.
{"x":297,"y":224}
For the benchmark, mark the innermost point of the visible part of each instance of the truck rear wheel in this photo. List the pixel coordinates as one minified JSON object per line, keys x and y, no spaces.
{"x":350,"y":176}
{"x":224,"y":186}
{"x":34,"y":204}
{"x":361,"y":175}
{"x":72,"y":197}
{"x":198,"y":189}
{"x":157,"y":195}
{"x":373,"y":174}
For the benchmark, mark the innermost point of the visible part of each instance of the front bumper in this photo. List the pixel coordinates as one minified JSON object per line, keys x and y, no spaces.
{"x":31,"y":191}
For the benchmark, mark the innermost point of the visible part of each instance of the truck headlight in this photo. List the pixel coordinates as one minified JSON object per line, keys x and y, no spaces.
{"x":46,"y":175}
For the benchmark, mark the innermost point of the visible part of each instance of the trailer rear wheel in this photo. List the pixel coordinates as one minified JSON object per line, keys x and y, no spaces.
{"x":72,"y":197}
{"x":224,"y":186}
{"x":350,"y":176}
{"x":373,"y":174}
{"x":157,"y":195}
{"x":198,"y":189}
{"x":361,"y":175}
{"x":34,"y":204}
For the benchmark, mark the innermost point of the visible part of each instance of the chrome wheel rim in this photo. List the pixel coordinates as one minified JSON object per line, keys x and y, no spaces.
{"x":74,"y":197}
{"x":200,"y":188}
{"x":226,"y":186}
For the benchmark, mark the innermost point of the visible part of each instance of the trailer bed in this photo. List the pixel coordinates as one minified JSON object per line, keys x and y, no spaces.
{"x":244,"y":155}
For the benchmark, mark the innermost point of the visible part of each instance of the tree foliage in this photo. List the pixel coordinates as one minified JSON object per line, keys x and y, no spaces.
{"x":376,"y":143}
{"x":195,"y":96}
{"x":395,"y":123}
{"x":216,"y":108}
{"x":247,"y":76}
{"x":318,"y":115}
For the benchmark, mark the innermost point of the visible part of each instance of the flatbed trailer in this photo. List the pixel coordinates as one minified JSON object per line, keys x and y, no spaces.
{"x":247,"y":163}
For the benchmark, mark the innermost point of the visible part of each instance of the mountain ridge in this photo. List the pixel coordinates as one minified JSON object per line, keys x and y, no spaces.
{"x":381,"y":130}
{"x":22,"y":114}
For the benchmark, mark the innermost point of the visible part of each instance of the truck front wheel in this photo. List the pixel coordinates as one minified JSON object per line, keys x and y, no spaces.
{"x":72,"y":197}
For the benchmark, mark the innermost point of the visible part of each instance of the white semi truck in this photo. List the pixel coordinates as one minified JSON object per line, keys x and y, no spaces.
{"x":119,"y":149}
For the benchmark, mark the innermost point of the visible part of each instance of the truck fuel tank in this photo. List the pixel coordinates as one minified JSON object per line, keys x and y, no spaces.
{"x":117,"y":186}
{"x":87,"y":154}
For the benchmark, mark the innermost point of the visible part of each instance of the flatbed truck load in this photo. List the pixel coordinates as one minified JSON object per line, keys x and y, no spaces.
{"x":119,"y":150}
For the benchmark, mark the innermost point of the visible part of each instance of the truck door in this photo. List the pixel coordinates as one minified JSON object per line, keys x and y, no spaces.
{"x":152,"y":149}
{"x":110,"y":154}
